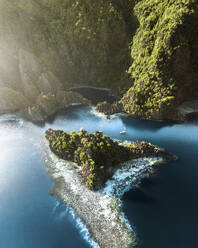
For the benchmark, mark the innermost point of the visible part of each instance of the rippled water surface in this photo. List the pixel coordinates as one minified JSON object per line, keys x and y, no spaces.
{"x":163,"y":210}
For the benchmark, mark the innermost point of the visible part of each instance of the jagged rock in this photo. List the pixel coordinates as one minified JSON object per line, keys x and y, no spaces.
{"x":68,"y":98}
{"x":110,"y":108}
{"x":97,"y":154}
{"x":48,"y":104}
{"x":51,"y":103}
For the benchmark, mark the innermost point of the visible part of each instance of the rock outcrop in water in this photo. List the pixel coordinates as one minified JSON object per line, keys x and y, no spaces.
{"x":97,"y":155}
{"x":37,"y":93}
{"x":110,"y":108}
{"x":100,"y":213}
{"x":98,"y":158}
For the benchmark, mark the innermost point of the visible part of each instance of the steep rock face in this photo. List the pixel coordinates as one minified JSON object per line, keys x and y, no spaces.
{"x":109,"y":109}
{"x":32,"y":90}
{"x":33,"y":77}
{"x":48,"y":104}
{"x":9,"y":73}
{"x":49,"y":42}
{"x":28,"y":70}
{"x":79,"y":41}
{"x":164,"y":71}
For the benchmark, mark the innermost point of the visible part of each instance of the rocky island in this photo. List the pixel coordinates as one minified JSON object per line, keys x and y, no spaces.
{"x":81,"y":164}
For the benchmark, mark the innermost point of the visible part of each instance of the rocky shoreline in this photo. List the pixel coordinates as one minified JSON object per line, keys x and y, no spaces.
{"x":101,"y":213}
{"x":185,"y":112}
{"x":34,"y":92}
{"x":101,"y":210}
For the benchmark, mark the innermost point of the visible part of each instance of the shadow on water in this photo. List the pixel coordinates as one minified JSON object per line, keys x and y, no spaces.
{"x":95,"y":95}
{"x":164,"y":208}
{"x":70,"y":113}
{"x":140,"y":196}
{"x":148,"y":125}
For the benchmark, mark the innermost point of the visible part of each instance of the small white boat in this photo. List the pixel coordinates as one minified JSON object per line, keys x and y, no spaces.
{"x":123,"y":132}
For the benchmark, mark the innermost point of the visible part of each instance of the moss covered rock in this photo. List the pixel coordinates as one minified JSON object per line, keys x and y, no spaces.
{"x":109,"y":108}
{"x":97,"y":154}
{"x":48,"y":104}
{"x":164,"y":72}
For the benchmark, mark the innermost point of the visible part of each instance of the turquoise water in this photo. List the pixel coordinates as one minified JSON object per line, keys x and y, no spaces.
{"x":162,"y":210}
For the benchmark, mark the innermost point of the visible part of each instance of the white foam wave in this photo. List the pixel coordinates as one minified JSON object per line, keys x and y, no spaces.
{"x":70,"y":214}
{"x":128,"y":176}
{"x":84,"y":230}
{"x":93,"y":111}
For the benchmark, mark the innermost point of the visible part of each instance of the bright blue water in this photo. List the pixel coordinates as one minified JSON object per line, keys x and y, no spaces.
{"x":163,"y":210}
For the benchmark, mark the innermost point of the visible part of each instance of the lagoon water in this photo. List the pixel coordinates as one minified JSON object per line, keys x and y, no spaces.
{"x":163,"y":210}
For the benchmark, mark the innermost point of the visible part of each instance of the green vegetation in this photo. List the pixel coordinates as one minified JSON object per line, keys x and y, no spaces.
{"x":97,"y":155}
{"x":146,"y":50}
{"x":164,"y":48}
{"x":108,"y":108}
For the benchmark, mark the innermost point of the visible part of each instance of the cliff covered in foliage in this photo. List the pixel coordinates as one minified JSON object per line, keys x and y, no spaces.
{"x":164,"y":71}
{"x":145,"y":50}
